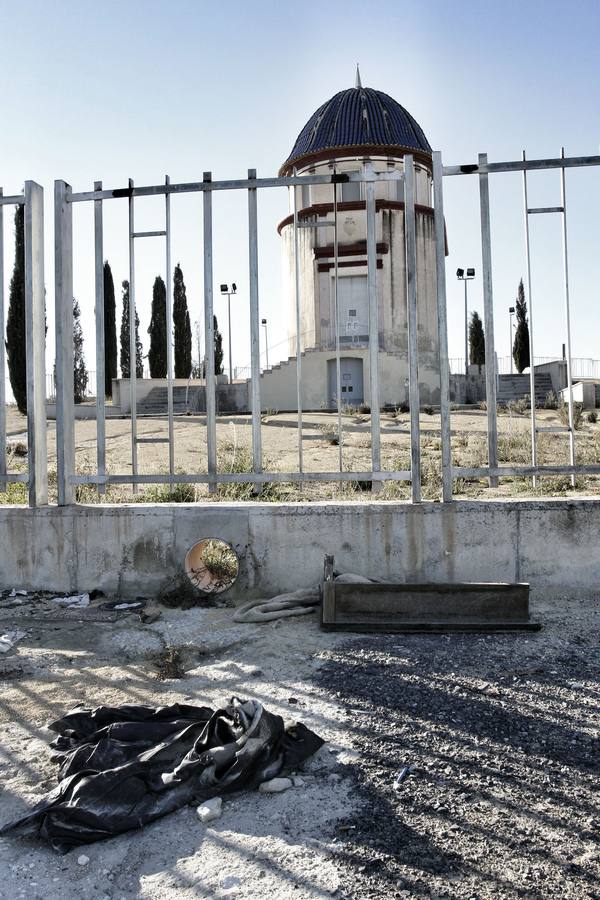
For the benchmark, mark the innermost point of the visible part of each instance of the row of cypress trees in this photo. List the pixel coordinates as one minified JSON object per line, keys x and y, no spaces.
{"x":157,"y":357}
{"x":520,"y":348}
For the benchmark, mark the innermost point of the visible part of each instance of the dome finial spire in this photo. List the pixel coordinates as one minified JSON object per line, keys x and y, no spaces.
{"x":358,"y":81}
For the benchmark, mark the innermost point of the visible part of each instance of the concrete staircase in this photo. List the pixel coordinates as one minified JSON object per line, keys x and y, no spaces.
{"x":515,"y":387}
{"x":155,"y":403}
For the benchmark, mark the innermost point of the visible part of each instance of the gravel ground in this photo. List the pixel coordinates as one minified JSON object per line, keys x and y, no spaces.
{"x":502,"y":732}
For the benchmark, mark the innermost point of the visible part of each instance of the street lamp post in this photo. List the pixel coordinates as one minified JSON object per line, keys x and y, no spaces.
{"x":263,"y":322}
{"x":469,"y":276}
{"x":225,"y":290}
{"x":511,"y":312}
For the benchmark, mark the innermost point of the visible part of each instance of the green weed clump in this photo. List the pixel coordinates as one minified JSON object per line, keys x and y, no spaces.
{"x":563,"y":414}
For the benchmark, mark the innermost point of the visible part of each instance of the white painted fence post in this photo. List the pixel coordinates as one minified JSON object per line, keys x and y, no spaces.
{"x":63,"y":298}
{"x":35,"y":344}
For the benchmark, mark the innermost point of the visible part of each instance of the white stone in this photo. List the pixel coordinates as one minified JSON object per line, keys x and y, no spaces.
{"x":210,"y":809}
{"x":297,"y":781}
{"x":275,"y":785}
{"x":348,"y":756}
{"x":83,"y":860}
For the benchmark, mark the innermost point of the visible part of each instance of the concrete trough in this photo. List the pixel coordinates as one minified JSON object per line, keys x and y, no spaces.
{"x":426,"y":607}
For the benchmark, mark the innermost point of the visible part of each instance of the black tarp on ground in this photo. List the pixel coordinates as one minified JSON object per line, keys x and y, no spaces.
{"x":121,"y":767}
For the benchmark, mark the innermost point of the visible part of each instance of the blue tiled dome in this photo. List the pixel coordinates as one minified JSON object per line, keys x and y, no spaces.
{"x":358,"y":118}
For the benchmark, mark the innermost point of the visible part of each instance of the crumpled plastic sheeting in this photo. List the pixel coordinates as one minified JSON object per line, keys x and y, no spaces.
{"x":121,"y":767}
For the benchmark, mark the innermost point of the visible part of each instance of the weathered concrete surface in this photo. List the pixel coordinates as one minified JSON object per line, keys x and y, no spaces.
{"x":139,"y":548}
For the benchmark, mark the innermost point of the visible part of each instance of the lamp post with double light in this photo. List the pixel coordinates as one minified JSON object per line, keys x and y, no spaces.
{"x":225,"y":290}
{"x":511,"y":312}
{"x":467,"y":276}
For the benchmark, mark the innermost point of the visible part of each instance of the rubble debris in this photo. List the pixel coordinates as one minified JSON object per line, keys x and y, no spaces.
{"x":148,"y":618}
{"x":275,"y":785}
{"x":122,"y":767}
{"x":170,"y":664}
{"x":347,"y":757}
{"x":9,"y":639}
{"x":77,"y":601}
{"x":210,"y":809}
{"x":137,"y":604}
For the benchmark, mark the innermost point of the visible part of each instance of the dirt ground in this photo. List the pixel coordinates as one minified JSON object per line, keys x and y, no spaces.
{"x":321,"y":453}
{"x":501,"y":731}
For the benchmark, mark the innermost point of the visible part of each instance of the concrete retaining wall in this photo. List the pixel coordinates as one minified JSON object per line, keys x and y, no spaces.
{"x":139,"y":549}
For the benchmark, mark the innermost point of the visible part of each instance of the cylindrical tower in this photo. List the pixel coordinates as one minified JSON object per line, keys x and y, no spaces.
{"x":357,"y":126}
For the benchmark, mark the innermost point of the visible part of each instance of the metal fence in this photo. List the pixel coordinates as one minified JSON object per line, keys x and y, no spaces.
{"x":582,"y":367}
{"x":36,"y":477}
{"x":483,"y":169}
{"x":65,"y":198}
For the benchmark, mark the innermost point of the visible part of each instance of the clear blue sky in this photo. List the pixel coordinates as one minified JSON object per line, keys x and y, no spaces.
{"x":140,"y":89}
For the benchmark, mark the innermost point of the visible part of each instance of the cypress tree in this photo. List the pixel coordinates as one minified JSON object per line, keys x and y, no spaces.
{"x":521,"y":344}
{"x":218,"y":348}
{"x":476,"y":341}
{"x":15,"y":323}
{"x":125,"y":362}
{"x":110,"y":332}
{"x":182,"y":331}
{"x":157,"y":355}
{"x":80,"y":373}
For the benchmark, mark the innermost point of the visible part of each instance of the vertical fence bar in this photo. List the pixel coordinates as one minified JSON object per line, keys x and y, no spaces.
{"x":373,"y":324}
{"x":336,"y":317}
{"x":488,"y":315}
{"x":35,"y":341}
{"x":531,"y":357}
{"x":100,"y":356}
{"x":563,"y":203}
{"x":440,"y":260}
{"x":35,"y":344}
{"x":298,"y":323}
{"x":2,"y":356}
{"x":413,"y":339}
{"x":63,"y":302}
{"x":169,"y":328}
{"x":132,"y":342}
{"x":254,"y":324}
{"x":209,"y":337}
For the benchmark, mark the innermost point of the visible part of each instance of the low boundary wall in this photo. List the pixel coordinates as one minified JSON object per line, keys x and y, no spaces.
{"x":139,"y":549}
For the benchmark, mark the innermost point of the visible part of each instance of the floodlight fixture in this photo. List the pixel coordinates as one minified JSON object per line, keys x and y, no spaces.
{"x":470,"y":273}
{"x":459,"y":273}
{"x":226,"y":291}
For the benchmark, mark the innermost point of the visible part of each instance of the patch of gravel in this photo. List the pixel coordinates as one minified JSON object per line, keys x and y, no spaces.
{"x":502,"y":732}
